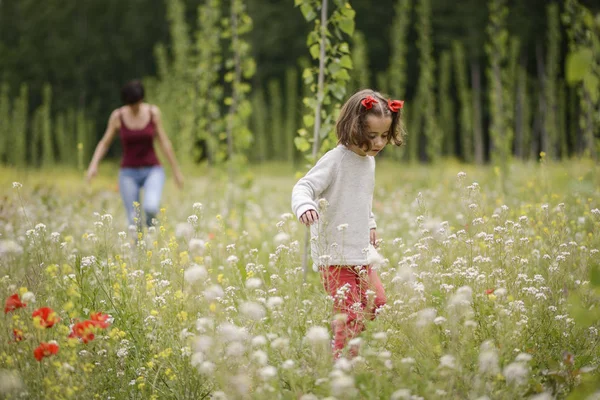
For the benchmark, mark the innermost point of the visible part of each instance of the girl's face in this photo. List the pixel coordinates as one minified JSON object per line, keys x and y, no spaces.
{"x":378,"y":130}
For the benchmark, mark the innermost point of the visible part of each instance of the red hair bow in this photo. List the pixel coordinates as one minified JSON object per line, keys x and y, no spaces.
{"x":395,"y":105}
{"x":368,"y":102}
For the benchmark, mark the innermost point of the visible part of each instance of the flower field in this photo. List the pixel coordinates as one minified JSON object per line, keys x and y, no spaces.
{"x":493,"y":290}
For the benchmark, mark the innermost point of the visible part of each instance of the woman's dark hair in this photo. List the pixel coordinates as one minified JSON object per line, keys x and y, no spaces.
{"x":351,"y":127}
{"x":132,"y":92}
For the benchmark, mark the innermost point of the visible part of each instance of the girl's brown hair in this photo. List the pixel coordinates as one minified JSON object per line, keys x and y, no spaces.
{"x":351,"y":126}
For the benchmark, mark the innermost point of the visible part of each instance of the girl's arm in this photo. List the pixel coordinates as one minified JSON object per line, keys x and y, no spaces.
{"x":372,"y":226}
{"x":103,"y":145}
{"x":311,"y":186}
{"x":166,"y":147}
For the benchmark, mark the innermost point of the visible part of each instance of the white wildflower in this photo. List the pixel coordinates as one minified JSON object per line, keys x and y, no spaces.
{"x":28,"y":297}
{"x":258,"y":341}
{"x":267,"y":372}
{"x":426,"y":317}
{"x":515,"y":373}
{"x":448,"y":361}
{"x":213,"y":292}
{"x":203,"y":343}
{"x":402,"y":394}
{"x":274,"y":302}
{"x":488,"y":359}
{"x":373,"y":257}
{"x":230,"y":332}
{"x":342,"y":227}
{"x":281,"y":237}
{"x":232,"y":259}
{"x":10,"y":381}
{"x":252,"y":310}
{"x":253,"y":283}
{"x":317,"y":335}
{"x":260,"y":357}
{"x":196,"y":246}
{"x":195,"y":273}
{"x":523,"y":357}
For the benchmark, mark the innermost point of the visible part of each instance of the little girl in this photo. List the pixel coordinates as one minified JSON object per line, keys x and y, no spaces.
{"x":343,"y":224}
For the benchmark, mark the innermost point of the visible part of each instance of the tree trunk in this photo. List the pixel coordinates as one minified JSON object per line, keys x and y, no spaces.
{"x":477,"y":117}
{"x":544,"y":139}
{"x":320,"y":85}
{"x":519,"y":117}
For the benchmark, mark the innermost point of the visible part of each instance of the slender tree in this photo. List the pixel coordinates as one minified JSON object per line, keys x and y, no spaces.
{"x":276,"y":120}
{"x":551,"y":122}
{"x":5,"y":131}
{"x":259,"y":125}
{"x":427,"y":81}
{"x":501,"y":130}
{"x":18,"y":154}
{"x":291,"y":112}
{"x":209,"y":63}
{"x":465,"y":102}
{"x":46,"y":131}
{"x":360,"y":74}
{"x":446,"y":104}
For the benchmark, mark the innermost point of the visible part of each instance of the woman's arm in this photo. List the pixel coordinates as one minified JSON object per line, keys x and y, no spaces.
{"x":103,"y":145}
{"x":166,"y":147}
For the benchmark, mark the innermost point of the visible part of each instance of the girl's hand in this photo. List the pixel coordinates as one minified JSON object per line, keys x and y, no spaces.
{"x":178,"y":179}
{"x":91,"y":173}
{"x":309,"y":217}
{"x":373,"y":237}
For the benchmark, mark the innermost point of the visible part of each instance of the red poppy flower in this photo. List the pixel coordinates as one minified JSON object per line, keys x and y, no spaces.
{"x":489,"y":291}
{"x":45,"y":317}
{"x":17,"y":335}
{"x":368,"y":102}
{"x":100,"y":319}
{"x":84,"y":330}
{"x":395,"y":105}
{"x":45,"y":350}
{"x":12,"y":303}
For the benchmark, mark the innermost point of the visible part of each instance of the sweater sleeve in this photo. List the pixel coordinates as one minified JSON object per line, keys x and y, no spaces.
{"x":309,"y":188}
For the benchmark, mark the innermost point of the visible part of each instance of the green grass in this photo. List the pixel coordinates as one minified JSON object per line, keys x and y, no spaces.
{"x":493,"y":289}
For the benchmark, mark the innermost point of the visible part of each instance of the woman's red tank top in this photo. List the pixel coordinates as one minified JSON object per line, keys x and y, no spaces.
{"x":138,"y":145}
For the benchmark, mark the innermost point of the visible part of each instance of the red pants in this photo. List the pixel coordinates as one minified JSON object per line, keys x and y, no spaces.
{"x":348,"y":286}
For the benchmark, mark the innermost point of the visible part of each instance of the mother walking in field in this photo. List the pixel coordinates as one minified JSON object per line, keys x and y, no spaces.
{"x":138,"y":124}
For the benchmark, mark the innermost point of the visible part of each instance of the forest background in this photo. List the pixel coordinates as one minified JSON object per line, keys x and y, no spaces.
{"x":62,"y":66}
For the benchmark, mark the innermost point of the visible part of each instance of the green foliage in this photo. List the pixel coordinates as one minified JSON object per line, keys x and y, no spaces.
{"x":397,"y":71}
{"x":60,"y":133}
{"x":360,"y":73}
{"x":48,"y":156}
{"x":209,"y":63}
{"x":291,"y":112}
{"x":523,"y":115}
{"x":5,"y":131}
{"x":426,"y":84}
{"x":465,"y":101}
{"x":275,"y":110}
{"x":239,"y":68}
{"x":34,"y":141}
{"x":259,"y":126}
{"x":326,"y":44}
{"x":551,"y":122}
{"x":84,"y":143}
{"x":446,"y":105}
{"x":583,"y":69}
{"x":501,"y":130}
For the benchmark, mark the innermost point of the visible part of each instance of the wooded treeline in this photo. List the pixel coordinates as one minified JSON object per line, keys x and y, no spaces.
{"x":482,"y":80}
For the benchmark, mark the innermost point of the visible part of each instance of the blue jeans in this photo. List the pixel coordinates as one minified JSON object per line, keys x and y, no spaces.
{"x":131,"y":181}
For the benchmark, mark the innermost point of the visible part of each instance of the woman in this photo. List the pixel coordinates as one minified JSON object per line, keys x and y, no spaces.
{"x":138,"y":124}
